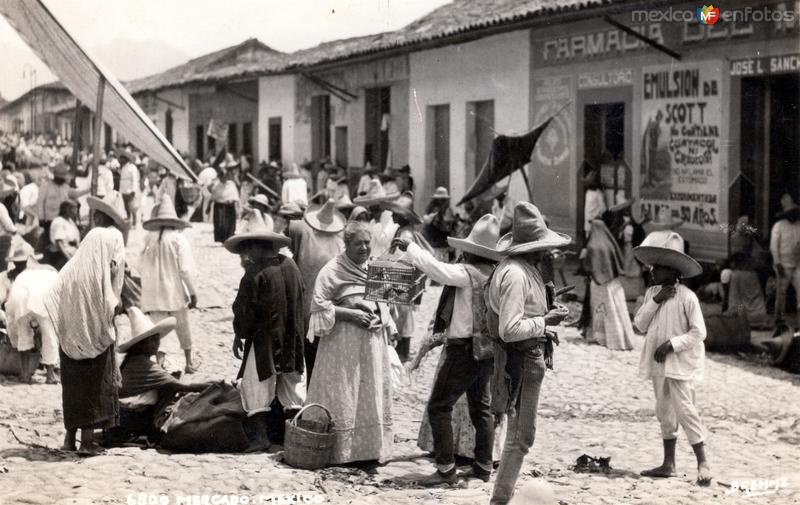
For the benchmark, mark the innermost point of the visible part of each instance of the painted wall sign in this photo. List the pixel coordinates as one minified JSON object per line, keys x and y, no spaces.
{"x":607,"y":79}
{"x":680,"y":170}
{"x":745,"y":20}
{"x":549,"y":95}
{"x":783,"y":64}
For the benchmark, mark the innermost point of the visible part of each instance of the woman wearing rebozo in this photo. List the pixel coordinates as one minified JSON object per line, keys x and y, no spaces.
{"x":352,"y":377}
{"x":82,"y":304}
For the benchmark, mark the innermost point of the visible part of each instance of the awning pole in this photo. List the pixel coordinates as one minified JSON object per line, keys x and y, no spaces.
{"x":76,"y":136}
{"x":98,"y":126}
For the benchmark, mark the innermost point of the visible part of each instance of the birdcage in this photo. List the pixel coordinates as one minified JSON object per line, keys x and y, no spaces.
{"x":394,"y":282}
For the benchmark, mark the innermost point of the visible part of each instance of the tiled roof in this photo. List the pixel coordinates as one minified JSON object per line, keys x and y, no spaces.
{"x":50,"y":86}
{"x":455,"y":18}
{"x":250,"y":57}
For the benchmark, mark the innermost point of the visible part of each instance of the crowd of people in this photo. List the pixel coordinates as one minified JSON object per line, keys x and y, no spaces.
{"x":304,"y":327}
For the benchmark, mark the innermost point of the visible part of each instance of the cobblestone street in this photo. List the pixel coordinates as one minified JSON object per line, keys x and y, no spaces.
{"x":592,"y":403}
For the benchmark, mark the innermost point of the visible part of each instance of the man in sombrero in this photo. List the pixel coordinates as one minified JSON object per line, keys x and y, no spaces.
{"x":468,"y":363}
{"x":146,"y":387}
{"x":166,"y":265}
{"x":268,"y":326}
{"x":519,"y":315}
{"x":316,"y":239}
{"x":674,"y":353}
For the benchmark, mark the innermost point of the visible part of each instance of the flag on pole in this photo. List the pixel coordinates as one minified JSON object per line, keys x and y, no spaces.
{"x":217,"y":130}
{"x":508,"y":154}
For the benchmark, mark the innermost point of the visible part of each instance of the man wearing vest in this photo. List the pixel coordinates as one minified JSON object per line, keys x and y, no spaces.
{"x":518,"y":310}
{"x":468,"y":362}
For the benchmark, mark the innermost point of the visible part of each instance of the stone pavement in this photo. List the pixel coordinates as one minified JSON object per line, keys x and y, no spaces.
{"x":592,"y":403}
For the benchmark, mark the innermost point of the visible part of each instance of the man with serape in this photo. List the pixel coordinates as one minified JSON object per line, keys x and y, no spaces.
{"x":167,"y":266}
{"x":316,"y":239}
{"x":268,"y":325}
{"x":468,"y":363}
{"x":520,"y":312}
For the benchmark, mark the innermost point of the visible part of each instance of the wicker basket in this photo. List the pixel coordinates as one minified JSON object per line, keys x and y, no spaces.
{"x":394,"y":282}
{"x":308,"y":444}
{"x":190,"y":193}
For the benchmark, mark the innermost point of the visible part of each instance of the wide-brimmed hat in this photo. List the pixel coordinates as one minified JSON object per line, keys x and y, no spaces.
{"x":21,"y":251}
{"x":778,"y":346}
{"x":326,"y":218}
{"x":482,"y":239}
{"x":256,"y":229}
{"x":357,"y":212}
{"x":61,"y":170}
{"x":291,"y":210}
{"x":375,"y":194}
{"x":441,"y":193}
{"x":292,"y":172}
{"x":403,"y":206}
{"x":529,"y":232}
{"x":8,"y":186}
{"x":664,"y":222}
{"x":262,"y":201}
{"x":344,"y":202}
{"x":164,"y":215}
{"x":127,"y":154}
{"x":665,"y":247}
{"x":142,"y":328}
{"x":112,"y":206}
{"x":229,"y":161}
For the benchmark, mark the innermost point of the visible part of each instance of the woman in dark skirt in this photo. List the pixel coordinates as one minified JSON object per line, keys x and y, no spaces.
{"x":82,"y":305}
{"x":226,"y":202}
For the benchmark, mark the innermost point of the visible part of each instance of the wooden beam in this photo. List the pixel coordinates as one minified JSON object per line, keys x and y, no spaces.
{"x":98,"y":132}
{"x":331,"y":85}
{"x":237,"y":93}
{"x":168,"y":102}
{"x":76,"y":135}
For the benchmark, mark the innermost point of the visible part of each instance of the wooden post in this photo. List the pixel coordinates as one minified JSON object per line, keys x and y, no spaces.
{"x":98,"y":132}
{"x":76,"y":136}
{"x":527,"y":184}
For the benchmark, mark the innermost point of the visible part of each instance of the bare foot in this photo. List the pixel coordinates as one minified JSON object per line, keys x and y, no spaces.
{"x":258,"y":446}
{"x":190,"y":369}
{"x":92,"y":449}
{"x":662,"y":472}
{"x":703,"y":475}
{"x":69,"y":442}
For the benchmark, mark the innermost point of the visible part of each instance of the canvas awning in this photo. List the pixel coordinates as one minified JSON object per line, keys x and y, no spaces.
{"x":82,"y":74}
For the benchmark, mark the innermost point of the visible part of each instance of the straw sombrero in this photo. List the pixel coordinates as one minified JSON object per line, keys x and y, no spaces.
{"x":403,"y":206}
{"x":257,"y":230}
{"x":529,"y":232}
{"x":164,"y":215}
{"x":21,"y":251}
{"x":665,"y":247}
{"x":112,"y":206}
{"x":291,"y":210}
{"x":143,"y":328}
{"x":326,"y":218}
{"x":441,"y":193}
{"x":664,"y":221}
{"x":344,"y":202}
{"x":261,"y":201}
{"x":482,"y":239}
{"x":375,"y":194}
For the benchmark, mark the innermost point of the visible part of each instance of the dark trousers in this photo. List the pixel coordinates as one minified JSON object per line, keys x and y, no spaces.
{"x":403,"y":348}
{"x":460,"y":374}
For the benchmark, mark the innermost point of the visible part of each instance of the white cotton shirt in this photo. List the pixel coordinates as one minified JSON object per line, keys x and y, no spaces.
{"x":784,"y":243}
{"x":450,"y":275}
{"x":129,"y":179}
{"x":679,"y":320}
{"x":64,"y":229}
{"x":518,"y":297}
{"x":593,"y":207}
{"x":28,"y":195}
{"x":163,"y":265}
{"x":294,"y":190}
{"x":105,"y":181}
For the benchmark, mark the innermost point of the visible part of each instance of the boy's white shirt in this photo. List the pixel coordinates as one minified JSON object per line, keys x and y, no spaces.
{"x":679,"y":320}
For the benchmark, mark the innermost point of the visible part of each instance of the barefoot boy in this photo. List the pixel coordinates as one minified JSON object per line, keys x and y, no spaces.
{"x":673,"y":352}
